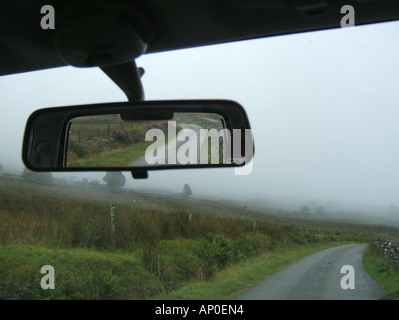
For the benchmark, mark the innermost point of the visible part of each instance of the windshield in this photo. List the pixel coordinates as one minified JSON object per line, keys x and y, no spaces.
{"x":323,"y":107}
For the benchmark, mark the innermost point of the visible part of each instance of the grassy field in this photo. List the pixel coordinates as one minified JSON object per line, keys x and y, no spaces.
{"x":163,"y":247}
{"x":82,"y":273}
{"x":106,"y":140}
{"x":383,"y":270}
{"x":239,"y":277}
{"x":121,"y":157}
{"x":100,"y":141}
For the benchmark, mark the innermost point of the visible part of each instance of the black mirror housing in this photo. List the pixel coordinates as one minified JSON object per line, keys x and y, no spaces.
{"x":138,"y":136}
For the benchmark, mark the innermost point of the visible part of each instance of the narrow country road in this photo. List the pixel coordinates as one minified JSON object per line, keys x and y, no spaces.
{"x":318,"y":277}
{"x":162,"y":150}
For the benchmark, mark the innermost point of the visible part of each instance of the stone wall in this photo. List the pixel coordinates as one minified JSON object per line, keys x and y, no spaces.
{"x":390,"y":245}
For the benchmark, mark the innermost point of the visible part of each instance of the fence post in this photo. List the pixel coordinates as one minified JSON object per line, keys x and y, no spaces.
{"x":112,"y":209}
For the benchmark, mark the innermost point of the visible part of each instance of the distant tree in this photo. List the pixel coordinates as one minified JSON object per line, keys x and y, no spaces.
{"x":305,"y":209}
{"x":187,"y":190}
{"x":1,"y":167}
{"x":115,"y":179}
{"x":37,"y":177}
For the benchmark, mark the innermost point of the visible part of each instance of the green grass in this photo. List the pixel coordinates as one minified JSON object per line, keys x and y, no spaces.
{"x":241,"y":276}
{"x":165,"y":247}
{"x":115,"y":158}
{"x":80,"y":273}
{"x":383,"y":270}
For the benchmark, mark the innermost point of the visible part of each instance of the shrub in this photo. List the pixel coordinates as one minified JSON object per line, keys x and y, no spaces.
{"x":222,"y":248}
{"x":161,"y":125}
{"x":121,"y":135}
{"x":114,"y":179}
{"x":183,"y":263}
{"x":80,"y":149}
{"x":173,"y":261}
{"x":312,"y":238}
{"x":297,"y":238}
{"x":135,"y":136}
{"x":244,"y":247}
{"x":207,"y":254}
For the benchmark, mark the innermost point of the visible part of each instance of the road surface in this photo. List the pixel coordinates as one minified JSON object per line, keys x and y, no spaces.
{"x":318,"y":277}
{"x":162,"y":150}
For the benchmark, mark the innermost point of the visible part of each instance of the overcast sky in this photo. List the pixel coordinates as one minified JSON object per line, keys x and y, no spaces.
{"x":324,"y":107}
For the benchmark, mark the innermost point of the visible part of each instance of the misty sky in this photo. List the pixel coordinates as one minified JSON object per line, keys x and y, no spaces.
{"x":324,"y":108}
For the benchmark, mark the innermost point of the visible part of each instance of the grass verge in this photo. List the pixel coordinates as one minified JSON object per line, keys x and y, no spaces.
{"x":115,"y":158}
{"x":237,"y":278}
{"x":164,"y":247}
{"x":79,"y":273}
{"x":383,"y":270}
{"x":89,"y":274}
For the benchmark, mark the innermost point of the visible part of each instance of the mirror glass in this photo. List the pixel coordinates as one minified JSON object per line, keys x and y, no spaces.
{"x":138,"y":136}
{"x":184,"y":139}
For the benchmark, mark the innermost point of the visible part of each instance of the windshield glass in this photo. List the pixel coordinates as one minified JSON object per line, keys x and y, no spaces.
{"x":323,"y":107}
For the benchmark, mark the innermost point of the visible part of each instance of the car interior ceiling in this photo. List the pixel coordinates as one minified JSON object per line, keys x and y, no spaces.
{"x":178,"y":24}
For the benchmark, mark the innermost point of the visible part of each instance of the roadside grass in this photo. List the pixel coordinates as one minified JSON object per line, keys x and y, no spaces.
{"x":89,"y":274}
{"x":241,"y":276}
{"x":161,"y":244}
{"x":383,"y":270}
{"x":51,"y":222}
{"x":116,"y":158}
{"x":91,"y":151}
{"x":80,"y":273}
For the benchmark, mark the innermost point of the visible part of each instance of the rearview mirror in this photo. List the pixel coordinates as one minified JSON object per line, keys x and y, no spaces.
{"x":139,"y":136}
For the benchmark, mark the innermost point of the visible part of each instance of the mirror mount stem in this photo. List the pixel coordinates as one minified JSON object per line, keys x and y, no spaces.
{"x":127,"y":77}
{"x":139,"y":174}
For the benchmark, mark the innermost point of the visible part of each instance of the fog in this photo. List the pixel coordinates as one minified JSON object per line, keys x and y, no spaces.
{"x":323,"y":107}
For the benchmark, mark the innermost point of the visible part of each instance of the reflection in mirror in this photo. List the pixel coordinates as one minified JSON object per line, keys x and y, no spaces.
{"x":184,"y":138}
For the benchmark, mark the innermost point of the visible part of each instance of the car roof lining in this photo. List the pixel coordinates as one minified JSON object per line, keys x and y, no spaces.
{"x":180,"y":24}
